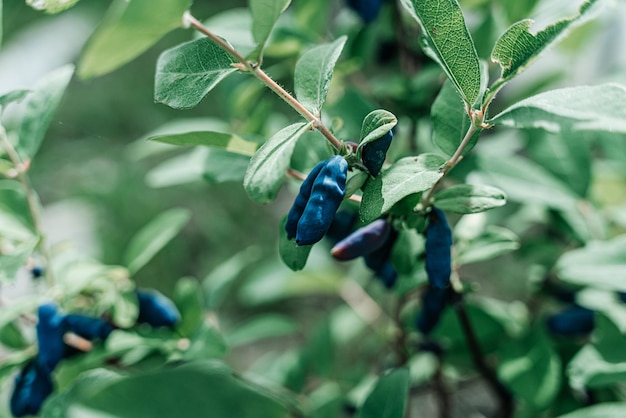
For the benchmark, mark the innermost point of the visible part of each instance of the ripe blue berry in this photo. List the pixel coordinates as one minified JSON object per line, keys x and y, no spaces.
{"x":575,"y":320}
{"x":156,"y":310}
{"x":438,"y":249}
{"x":434,"y":301}
{"x":367,"y":9}
{"x":88,"y":327}
{"x":363,"y":241}
{"x":373,"y":153}
{"x":32,"y":386}
{"x":50,"y":331}
{"x":299,"y":204}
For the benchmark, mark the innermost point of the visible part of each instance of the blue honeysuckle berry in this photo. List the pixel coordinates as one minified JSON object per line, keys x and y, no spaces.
{"x":622,"y":296}
{"x":363,"y":241}
{"x":156,"y":310}
{"x":373,"y":154}
{"x":367,"y":9}
{"x":299,"y":204}
{"x":434,"y":302}
{"x":379,"y":261}
{"x":327,"y":192}
{"x":31,"y":388}
{"x":575,"y":320}
{"x":50,"y":331}
{"x":438,"y":249}
{"x":387,"y":274}
{"x":88,"y":327}
{"x":342,"y":225}
{"x":36,"y":272}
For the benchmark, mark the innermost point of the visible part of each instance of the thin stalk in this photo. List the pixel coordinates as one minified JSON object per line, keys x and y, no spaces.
{"x":256,"y":70}
{"x":34,"y":204}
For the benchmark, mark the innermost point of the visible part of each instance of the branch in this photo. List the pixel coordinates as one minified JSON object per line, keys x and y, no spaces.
{"x":256,"y":70}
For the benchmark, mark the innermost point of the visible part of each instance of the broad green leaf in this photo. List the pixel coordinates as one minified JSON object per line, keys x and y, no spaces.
{"x":608,"y":338}
{"x":599,"y":264}
{"x":494,"y":241}
{"x":11,"y":336}
{"x":469,"y":198}
{"x":187,"y":72}
{"x":389,"y":397}
{"x":216,"y":285}
{"x":531,"y":369}
{"x":189,"y":300}
{"x":294,"y":256}
{"x":39,"y":108}
{"x":261,"y":327}
{"x":588,"y":108}
{"x":207,"y":342}
{"x":223,"y":166}
{"x":376,"y":124}
{"x":129,"y":29}
{"x":603,"y":410}
{"x":228,"y":142}
{"x":446,"y":40}
{"x":518,"y":46}
{"x":313,"y":73}
{"x":180,"y":169}
{"x":450,"y":121}
{"x":407,"y":176}
{"x":12,"y":96}
{"x":265,"y":13}
{"x":51,"y":6}
{"x":267,"y":168}
{"x":588,"y":369}
{"x":153,"y":237}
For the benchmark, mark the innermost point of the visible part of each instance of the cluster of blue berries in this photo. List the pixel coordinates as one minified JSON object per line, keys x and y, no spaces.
{"x":34,"y":382}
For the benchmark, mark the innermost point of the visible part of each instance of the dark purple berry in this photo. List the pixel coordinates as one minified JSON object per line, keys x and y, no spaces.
{"x":363,"y":241}
{"x":438,"y":249}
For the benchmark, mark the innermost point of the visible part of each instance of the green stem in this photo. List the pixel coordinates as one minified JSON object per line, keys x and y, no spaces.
{"x":34,"y":204}
{"x":256,"y":70}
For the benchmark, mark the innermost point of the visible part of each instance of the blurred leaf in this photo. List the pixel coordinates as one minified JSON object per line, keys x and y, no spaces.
{"x":604,"y":410}
{"x":17,"y":243}
{"x":406,"y":176}
{"x":13,"y":201}
{"x":267,"y":168}
{"x":129,"y":28}
{"x":228,"y":142}
{"x":518,"y":46}
{"x":599,"y":264}
{"x":180,"y":169}
{"x":446,"y":40}
{"x":388,"y":399}
{"x":313,"y":73}
{"x":450,"y":121}
{"x":608,"y":338}
{"x":588,"y":108}
{"x":186,"y":73}
{"x":260,"y":327}
{"x":265,"y":13}
{"x":153,"y":237}
{"x":11,"y":336}
{"x":406,"y":251}
{"x":224,"y":166}
{"x":531,"y":369}
{"x":376,"y":124}
{"x":51,"y":6}
{"x":469,"y":198}
{"x":207,"y":342}
{"x":234,"y":25}
{"x":14,"y":95}
{"x":310,"y":149}
{"x":588,"y":369}
{"x":125,"y":309}
{"x":14,"y":360}
{"x":494,"y":241}
{"x":39,"y":108}
{"x":189,"y":300}
{"x":294,"y":256}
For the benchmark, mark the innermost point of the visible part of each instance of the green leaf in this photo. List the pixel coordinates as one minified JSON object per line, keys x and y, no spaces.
{"x":188,"y":72}
{"x":450,"y":121}
{"x":604,"y":410}
{"x":446,"y":40}
{"x":125,"y":309}
{"x":588,"y":369}
{"x":518,"y":46}
{"x":469,"y":198}
{"x":265,"y":14}
{"x":588,"y":108}
{"x":190,"y":302}
{"x":207,"y":342}
{"x":11,"y":336}
{"x":180,"y":169}
{"x":406,"y":251}
{"x":407,"y":176}
{"x":223,"y":166}
{"x":261,"y":327}
{"x":235,"y":25}
{"x":51,"y":6}
{"x":313,"y":73}
{"x":153,"y":237}
{"x":228,"y":142}
{"x":294,"y":256}
{"x":389,"y":397}
{"x":531,"y":369}
{"x":12,"y":96}
{"x":493,"y":242}
{"x":267,"y":168}
{"x":129,"y":29}
{"x":39,"y":108}
{"x":376,"y":124}
{"x":598,"y":264}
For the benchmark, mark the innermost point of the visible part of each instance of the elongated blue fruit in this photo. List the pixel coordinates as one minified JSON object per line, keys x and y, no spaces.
{"x":341,"y":226}
{"x":434,"y":302}
{"x":299,"y":204}
{"x":50,"y":331}
{"x":379,"y":261}
{"x":88,"y":327}
{"x":373,"y":154}
{"x":438,"y":249}
{"x":327,"y":193}
{"x":575,"y":320}
{"x":32,"y":386}
{"x":367,"y":9}
{"x":156,"y":310}
{"x":363,"y":241}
